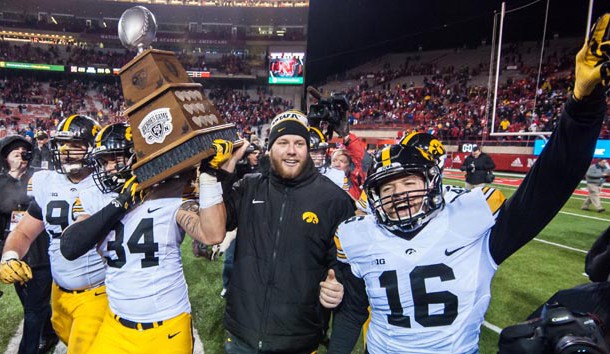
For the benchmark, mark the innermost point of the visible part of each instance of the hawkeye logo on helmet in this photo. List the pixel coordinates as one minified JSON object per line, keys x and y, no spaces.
{"x":156,"y":126}
{"x":427,"y":155}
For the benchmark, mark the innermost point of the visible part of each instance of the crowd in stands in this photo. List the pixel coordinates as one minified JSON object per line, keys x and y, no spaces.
{"x":104,"y":101}
{"x":73,"y":55}
{"x":76,"y":25}
{"x":246,"y":111}
{"x":446,"y":104}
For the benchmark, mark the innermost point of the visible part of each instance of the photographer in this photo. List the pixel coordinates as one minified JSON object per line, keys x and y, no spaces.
{"x":16,"y":153}
{"x":597,"y":263}
{"x":477,"y":166}
{"x":333,"y":111}
{"x":42,"y":157}
{"x":591,"y":298}
{"x":250,"y":162}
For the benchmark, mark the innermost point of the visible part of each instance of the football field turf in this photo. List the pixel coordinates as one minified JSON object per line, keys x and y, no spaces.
{"x":554,"y":261}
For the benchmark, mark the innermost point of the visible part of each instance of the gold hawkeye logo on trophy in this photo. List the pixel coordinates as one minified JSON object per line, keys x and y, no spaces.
{"x":176,"y":123}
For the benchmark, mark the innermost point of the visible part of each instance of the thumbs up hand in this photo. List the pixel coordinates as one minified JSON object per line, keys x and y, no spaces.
{"x":331,"y":291}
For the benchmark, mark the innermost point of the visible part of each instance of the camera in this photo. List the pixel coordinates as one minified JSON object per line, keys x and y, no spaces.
{"x":26,"y":156}
{"x":557,"y":331}
{"x":331,"y":109}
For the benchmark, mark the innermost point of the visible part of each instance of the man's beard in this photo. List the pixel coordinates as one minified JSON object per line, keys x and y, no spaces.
{"x":278,"y":167}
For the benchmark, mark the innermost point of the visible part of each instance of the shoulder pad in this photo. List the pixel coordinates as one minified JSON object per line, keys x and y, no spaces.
{"x":495,"y":198}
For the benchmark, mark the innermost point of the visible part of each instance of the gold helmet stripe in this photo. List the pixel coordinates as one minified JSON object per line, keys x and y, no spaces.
{"x":68,"y":122}
{"x":385,"y":156}
{"x":98,"y":137}
{"x":406,"y":139}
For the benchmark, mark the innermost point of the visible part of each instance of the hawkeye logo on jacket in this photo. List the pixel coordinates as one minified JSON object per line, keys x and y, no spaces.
{"x":310,"y":217}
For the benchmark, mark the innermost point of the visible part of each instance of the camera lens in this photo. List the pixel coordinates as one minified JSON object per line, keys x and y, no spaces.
{"x":573,"y":345}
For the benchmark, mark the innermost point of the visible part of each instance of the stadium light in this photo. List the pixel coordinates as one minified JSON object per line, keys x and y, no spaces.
{"x":53,"y":20}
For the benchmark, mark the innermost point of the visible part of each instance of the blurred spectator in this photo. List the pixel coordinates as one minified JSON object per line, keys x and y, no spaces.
{"x":477,"y":166}
{"x":42,"y":157}
{"x":35,"y":297}
{"x":595,"y":177}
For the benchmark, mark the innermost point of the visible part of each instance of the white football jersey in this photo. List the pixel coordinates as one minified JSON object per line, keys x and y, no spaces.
{"x":429,"y":294}
{"x":93,"y":200}
{"x":60,"y":204}
{"x":144,"y":280}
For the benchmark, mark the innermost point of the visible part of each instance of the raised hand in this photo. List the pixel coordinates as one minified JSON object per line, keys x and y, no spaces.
{"x":592,"y":66}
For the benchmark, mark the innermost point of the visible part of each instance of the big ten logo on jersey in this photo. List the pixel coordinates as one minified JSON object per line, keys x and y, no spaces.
{"x":378,"y":261}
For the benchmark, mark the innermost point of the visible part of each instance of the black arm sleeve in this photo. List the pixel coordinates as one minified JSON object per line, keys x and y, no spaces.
{"x":34,"y":210}
{"x":552,"y":179}
{"x":77,"y":239}
{"x":351,"y":313}
{"x":597,"y":262}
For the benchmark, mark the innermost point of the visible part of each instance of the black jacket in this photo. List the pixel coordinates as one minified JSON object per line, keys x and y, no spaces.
{"x":14,"y":197}
{"x":284,"y":248}
{"x":482,"y":164}
{"x":42,"y":155}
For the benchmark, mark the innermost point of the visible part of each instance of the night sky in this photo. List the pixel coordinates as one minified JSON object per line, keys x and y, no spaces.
{"x":345,"y":33}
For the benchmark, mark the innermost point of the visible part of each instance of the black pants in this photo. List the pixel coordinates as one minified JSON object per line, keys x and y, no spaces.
{"x":35,"y":297}
{"x":234,"y":345}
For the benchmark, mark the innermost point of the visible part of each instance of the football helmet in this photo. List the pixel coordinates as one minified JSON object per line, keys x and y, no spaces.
{"x":318,"y":147}
{"x":113,"y":156}
{"x":429,"y":143}
{"x":73,"y":142}
{"x":396,"y":211}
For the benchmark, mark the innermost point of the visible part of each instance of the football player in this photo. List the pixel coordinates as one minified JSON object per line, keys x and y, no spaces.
{"x":434,"y":147}
{"x":140,"y":235}
{"x":318,"y":150}
{"x":424,"y":263}
{"x":78,"y":295}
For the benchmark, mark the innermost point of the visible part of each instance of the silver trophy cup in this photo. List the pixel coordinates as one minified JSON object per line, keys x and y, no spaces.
{"x":137,"y":28}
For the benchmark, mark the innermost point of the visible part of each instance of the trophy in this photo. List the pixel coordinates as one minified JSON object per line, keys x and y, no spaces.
{"x":172,"y":121}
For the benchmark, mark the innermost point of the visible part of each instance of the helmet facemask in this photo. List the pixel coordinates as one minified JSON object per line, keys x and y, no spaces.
{"x":318,"y":148}
{"x":70,"y":156}
{"x":112,"y":169}
{"x":319,"y":156}
{"x":72,"y":144}
{"x":404,"y":189}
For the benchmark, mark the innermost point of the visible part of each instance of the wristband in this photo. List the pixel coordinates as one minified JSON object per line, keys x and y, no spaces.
{"x":210,"y":191}
{"x":9,"y":255}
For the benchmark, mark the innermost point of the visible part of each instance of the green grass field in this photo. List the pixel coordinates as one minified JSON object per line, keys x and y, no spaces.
{"x":521,"y":284}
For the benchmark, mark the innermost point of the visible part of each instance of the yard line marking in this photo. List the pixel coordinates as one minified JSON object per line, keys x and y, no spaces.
{"x":584,"y":216}
{"x":561,"y":246}
{"x":492,"y":327}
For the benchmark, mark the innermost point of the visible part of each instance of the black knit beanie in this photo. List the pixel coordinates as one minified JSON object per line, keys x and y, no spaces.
{"x":290,"y":122}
